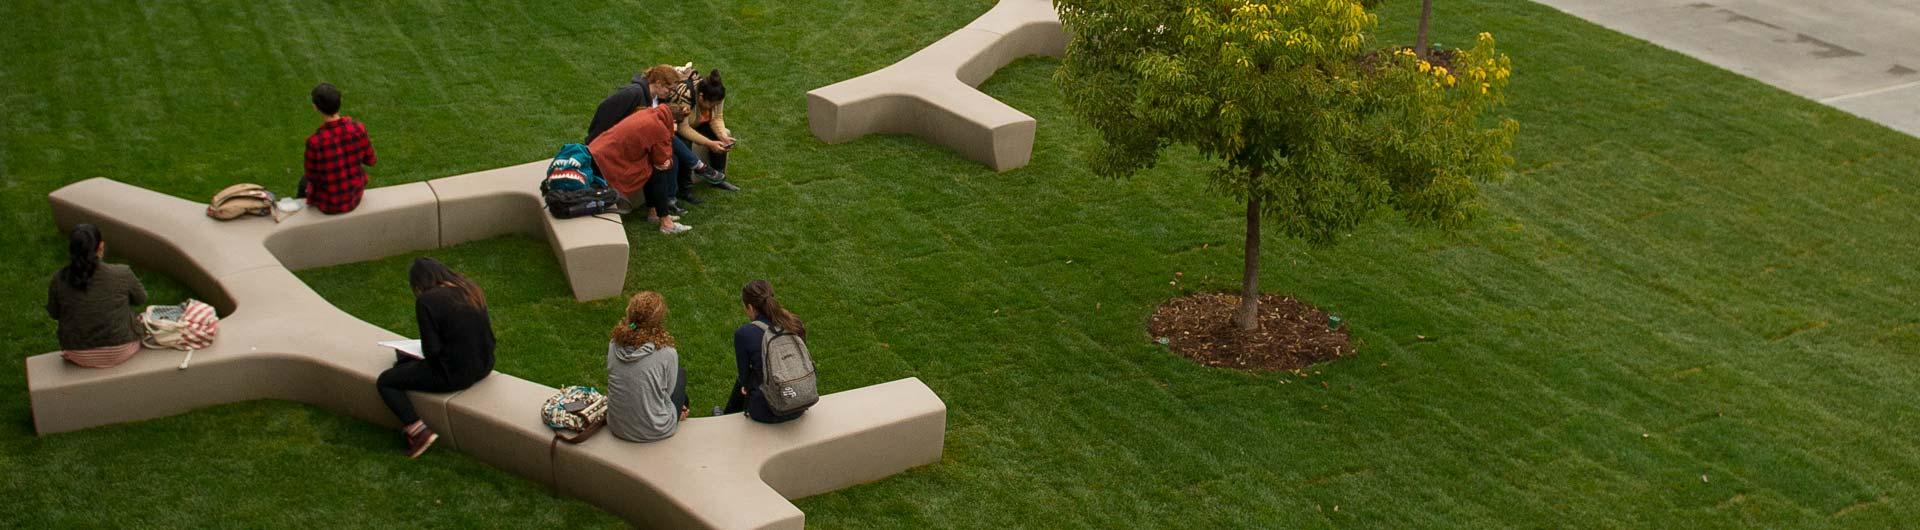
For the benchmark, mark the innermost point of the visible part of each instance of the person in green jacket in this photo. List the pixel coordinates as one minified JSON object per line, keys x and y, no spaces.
{"x":93,"y":302}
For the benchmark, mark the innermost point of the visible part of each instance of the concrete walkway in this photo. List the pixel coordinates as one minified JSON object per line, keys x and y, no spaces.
{"x":1860,"y":56}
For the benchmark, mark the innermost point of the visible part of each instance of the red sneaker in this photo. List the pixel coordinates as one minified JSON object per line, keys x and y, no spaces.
{"x":419,"y":441}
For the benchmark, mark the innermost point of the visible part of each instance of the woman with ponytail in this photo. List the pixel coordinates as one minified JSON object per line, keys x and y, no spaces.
{"x":762,"y":307}
{"x":93,"y":302}
{"x":646,"y":386}
{"x":456,"y":343}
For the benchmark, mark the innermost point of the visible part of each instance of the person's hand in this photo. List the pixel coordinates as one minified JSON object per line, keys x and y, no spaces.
{"x":683,"y":414}
{"x":743,"y":391}
{"x":719,"y":147}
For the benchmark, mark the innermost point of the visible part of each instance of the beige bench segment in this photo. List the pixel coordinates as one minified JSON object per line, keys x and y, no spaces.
{"x":283,"y":342}
{"x":592,"y":250}
{"x":931,"y":93}
{"x":390,"y":220}
{"x":698,"y":478}
{"x":197,"y":250}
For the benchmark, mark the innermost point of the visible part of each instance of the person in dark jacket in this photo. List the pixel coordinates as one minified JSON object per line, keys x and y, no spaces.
{"x":93,"y":303}
{"x":757,"y":296}
{"x":456,"y":338}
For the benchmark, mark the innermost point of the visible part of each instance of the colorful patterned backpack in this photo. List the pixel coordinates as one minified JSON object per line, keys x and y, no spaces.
{"x":575,"y":408}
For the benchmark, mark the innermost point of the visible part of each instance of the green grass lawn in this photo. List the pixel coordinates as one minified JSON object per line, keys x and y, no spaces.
{"x":1691,"y":306}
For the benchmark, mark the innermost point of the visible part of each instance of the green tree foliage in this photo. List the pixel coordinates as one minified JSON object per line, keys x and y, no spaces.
{"x":1316,"y":127}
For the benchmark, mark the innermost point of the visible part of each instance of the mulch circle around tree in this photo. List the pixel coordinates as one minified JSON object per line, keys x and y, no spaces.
{"x":1292,"y":334}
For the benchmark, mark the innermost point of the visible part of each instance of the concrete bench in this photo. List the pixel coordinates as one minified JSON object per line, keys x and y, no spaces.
{"x":281,"y":340}
{"x":729,"y":472}
{"x":931,"y":94}
{"x":391,"y":220}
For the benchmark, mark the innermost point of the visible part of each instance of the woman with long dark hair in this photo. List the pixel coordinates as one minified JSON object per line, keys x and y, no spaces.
{"x":706,"y":127}
{"x":456,"y":339}
{"x":93,"y":301}
{"x":761,"y":307}
{"x":646,"y":385}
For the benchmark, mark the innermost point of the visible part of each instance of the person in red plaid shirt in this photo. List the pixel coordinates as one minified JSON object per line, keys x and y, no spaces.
{"x":334,"y":180}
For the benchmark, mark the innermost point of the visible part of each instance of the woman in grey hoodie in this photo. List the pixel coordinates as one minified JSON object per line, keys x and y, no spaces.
{"x":646,"y":387}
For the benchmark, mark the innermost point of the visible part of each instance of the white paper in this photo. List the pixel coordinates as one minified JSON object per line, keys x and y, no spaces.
{"x":409,"y":347}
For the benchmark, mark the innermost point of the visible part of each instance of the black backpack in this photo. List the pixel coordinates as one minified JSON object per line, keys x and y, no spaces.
{"x":573,"y":189}
{"x":568,"y":204}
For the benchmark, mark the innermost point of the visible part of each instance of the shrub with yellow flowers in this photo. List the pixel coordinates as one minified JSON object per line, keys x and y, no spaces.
{"x":1309,"y":122}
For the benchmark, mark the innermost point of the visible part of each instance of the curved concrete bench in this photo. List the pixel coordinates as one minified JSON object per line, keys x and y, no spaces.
{"x":391,"y":220}
{"x":931,"y":93}
{"x":281,"y":340}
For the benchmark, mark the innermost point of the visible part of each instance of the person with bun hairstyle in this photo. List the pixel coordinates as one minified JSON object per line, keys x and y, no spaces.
{"x":93,"y":303}
{"x":646,"y":385}
{"x":707,"y":127}
{"x":456,"y":340}
{"x":761,"y":306}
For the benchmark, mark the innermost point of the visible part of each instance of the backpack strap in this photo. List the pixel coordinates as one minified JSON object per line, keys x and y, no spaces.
{"x":767,"y":334}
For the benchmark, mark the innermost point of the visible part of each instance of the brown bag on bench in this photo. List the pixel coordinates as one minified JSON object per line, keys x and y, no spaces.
{"x":241,"y":200}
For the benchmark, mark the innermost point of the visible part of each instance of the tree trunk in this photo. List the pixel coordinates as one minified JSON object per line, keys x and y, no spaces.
{"x":1247,"y":318}
{"x":1420,"y":42}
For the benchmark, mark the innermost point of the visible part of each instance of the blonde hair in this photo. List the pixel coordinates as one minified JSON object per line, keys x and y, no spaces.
{"x":645,"y":322}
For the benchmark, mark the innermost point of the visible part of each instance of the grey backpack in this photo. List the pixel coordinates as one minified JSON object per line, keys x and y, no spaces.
{"x":786,"y":371}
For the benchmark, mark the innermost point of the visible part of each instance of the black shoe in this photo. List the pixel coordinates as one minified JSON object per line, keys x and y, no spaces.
{"x":726,"y":186}
{"x":690,"y":199}
{"x":676,"y":211}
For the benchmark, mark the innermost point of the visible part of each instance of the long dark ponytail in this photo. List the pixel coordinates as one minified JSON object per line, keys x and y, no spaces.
{"x":758,"y":294}
{"x":83,"y":258}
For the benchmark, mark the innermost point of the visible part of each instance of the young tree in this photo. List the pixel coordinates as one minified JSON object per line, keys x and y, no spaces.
{"x":1310,"y":123}
{"x":1420,"y":36}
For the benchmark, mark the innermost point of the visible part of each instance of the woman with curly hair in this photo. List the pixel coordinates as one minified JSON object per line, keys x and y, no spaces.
{"x":646,"y":386}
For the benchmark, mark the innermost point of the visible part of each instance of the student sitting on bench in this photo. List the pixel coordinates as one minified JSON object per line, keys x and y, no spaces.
{"x":646,"y":386}
{"x":93,"y":301}
{"x":456,"y":339}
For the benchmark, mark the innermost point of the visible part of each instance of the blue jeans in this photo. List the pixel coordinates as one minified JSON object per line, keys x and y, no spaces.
{"x":683,"y":162}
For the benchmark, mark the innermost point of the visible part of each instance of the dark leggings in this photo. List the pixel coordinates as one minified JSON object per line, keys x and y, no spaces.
{"x":416,"y":375}
{"x":659,"y":189}
{"x":717,"y":159}
{"x":736,"y":401}
{"x":680,"y":390}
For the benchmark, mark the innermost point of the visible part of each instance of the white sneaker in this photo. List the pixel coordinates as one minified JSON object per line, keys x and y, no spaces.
{"x":675,"y":229}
